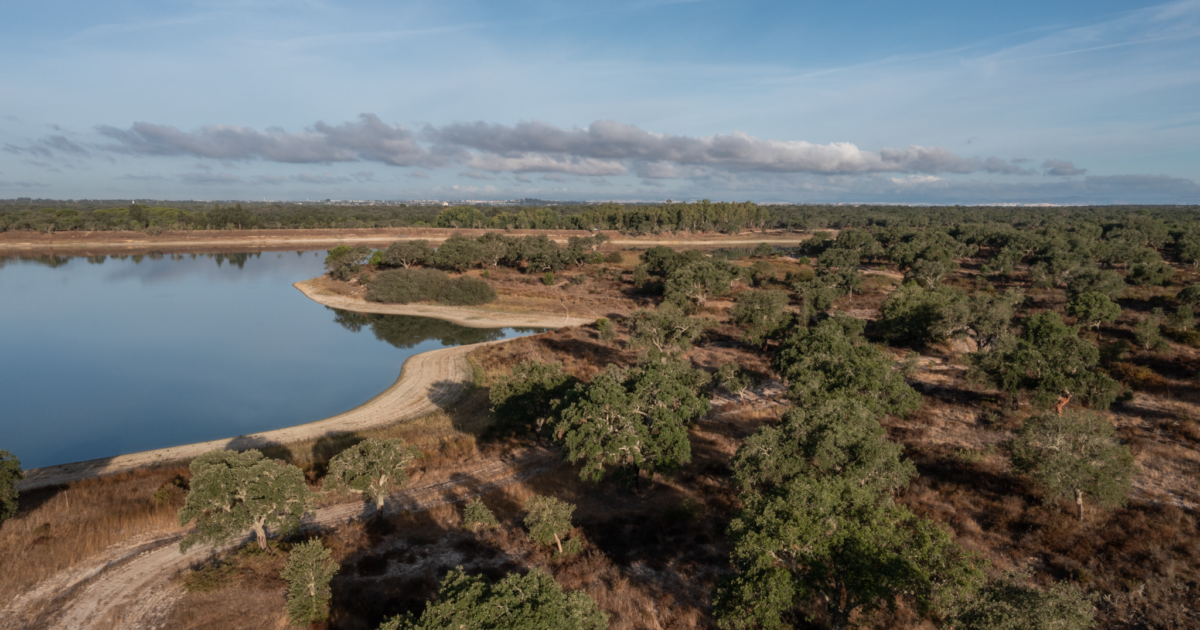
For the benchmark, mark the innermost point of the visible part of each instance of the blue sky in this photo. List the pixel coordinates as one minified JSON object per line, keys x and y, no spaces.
{"x":932,"y":102}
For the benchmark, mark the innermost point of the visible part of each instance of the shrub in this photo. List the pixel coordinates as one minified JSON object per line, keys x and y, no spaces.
{"x":402,"y":286}
{"x":10,"y":474}
{"x":761,"y":273}
{"x":615,"y":258}
{"x":1090,"y":308}
{"x":1183,"y":318}
{"x":1147,"y":274}
{"x":210,"y":577}
{"x":548,"y":278}
{"x":308,"y":572}
{"x":1148,"y":333}
{"x":477,"y":515}
{"x":1010,"y":603}
{"x":533,"y":601}
{"x":549,"y":521}
{"x":605,"y":327}
{"x":641,"y":275}
{"x":344,"y":261}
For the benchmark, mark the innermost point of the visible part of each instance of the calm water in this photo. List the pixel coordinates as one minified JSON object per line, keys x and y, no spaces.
{"x":100,"y":357}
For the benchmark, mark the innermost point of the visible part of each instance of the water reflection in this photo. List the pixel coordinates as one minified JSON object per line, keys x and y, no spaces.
{"x":118,"y":353}
{"x":53,"y":261}
{"x":406,"y":332}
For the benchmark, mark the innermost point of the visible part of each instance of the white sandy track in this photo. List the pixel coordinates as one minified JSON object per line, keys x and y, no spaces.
{"x":428,"y":381}
{"x":129,"y":586}
{"x":276,"y":240}
{"x":470,"y":316}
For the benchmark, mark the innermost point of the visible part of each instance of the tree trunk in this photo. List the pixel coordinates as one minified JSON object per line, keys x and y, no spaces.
{"x":559,"y":543}
{"x":1079,"y":503}
{"x":261,"y":535}
{"x":379,"y":505}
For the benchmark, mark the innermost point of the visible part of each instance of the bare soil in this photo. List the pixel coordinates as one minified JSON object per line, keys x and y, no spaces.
{"x":78,"y":243}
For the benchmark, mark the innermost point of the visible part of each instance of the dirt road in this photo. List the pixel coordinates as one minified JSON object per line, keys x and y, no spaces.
{"x":129,"y":586}
{"x":86,"y":243}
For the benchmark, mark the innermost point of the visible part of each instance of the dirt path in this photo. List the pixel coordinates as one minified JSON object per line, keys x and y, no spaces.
{"x":471,"y":316}
{"x":129,"y":586}
{"x":283,"y":240}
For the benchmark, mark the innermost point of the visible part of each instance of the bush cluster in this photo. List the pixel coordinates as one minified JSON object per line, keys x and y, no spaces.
{"x":402,"y":286}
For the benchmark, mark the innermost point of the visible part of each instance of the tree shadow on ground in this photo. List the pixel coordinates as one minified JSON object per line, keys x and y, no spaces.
{"x":399,"y":560}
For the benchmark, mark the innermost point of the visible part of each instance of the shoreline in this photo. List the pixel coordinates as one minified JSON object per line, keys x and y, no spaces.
{"x":428,"y":382}
{"x":469,"y":316}
{"x":409,"y":397}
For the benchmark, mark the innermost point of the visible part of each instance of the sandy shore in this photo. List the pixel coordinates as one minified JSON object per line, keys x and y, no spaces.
{"x":470,"y":316}
{"x":428,"y":382}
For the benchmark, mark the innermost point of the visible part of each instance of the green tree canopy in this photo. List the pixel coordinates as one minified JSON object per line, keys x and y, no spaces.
{"x":533,"y":601}
{"x":661,"y":260}
{"x":344,"y":261}
{"x":1049,"y":360}
{"x":1150,"y":274}
{"x":696,"y":282}
{"x":458,"y":252}
{"x":833,"y":359}
{"x":633,"y":419}
{"x":1074,"y":455}
{"x":493,"y":247}
{"x":477,"y":515}
{"x":10,"y":474}
{"x":1095,"y":280}
{"x":460,"y":217}
{"x":530,"y":397}
{"x":665,"y":331}
{"x":231,"y":492}
{"x":535,"y":254}
{"x":407,"y":253}
{"x":912,"y":314}
{"x":1091,"y":308}
{"x":992,"y":314}
{"x":1190,"y":295}
{"x":374,"y":468}
{"x":763,"y":314}
{"x":837,"y":437}
{"x":549,"y":521}
{"x":309,"y":569}
{"x":761,"y":273}
{"x":828,"y":543}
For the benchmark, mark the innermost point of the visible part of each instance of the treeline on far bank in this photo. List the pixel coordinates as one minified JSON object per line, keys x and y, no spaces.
{"x":47,"y":216}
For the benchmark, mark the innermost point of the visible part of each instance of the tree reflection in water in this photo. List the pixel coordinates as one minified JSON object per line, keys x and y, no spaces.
{"x":406,"y":332}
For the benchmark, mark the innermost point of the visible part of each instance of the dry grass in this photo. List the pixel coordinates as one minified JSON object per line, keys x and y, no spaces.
{"x":250,"y":607}
{"x":446,"y":435}
{"x":57,"y":528}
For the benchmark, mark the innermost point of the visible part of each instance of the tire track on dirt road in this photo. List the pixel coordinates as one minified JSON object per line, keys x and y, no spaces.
{"x":130,"y":585}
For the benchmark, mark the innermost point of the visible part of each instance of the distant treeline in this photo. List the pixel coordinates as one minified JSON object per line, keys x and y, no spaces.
{"x":703,"y":216}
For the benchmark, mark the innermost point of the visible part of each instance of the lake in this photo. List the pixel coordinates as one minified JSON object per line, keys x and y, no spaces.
{"x":102,"y":356}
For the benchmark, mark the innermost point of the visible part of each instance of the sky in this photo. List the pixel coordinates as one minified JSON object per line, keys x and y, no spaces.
{"x":850,"y":102}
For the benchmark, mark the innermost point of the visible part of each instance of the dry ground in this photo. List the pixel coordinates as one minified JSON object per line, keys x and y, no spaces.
{"x":651,"y":559}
